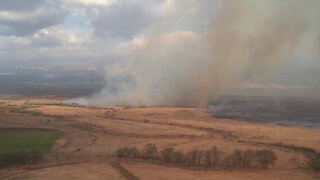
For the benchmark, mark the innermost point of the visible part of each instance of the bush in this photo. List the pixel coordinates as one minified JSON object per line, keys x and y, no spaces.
{"x":120,"y":153}
{"x":150,"y":151}
{"x":177,"y":157}
{"x":134,"y":152}
{"x":127,"y":152}
{"x":314,"y":161}
{"x":315,"y":164}
{"x":266,"y":157}
{"x":166,"y":154}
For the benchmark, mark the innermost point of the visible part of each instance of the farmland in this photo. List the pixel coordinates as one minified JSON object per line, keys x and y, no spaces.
{"x":88,"y":137}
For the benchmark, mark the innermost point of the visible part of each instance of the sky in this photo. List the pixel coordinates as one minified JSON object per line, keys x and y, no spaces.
{"x":109,"y":34}
{"x":53,"y":30}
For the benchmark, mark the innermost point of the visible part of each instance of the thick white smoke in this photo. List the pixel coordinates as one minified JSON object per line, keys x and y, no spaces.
{"x":243,"y":39}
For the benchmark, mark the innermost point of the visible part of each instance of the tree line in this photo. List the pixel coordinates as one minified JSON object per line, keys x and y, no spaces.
{"x":213,"y":157}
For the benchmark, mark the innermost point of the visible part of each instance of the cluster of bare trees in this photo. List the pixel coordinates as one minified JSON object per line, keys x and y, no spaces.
{"x":213,"y":157}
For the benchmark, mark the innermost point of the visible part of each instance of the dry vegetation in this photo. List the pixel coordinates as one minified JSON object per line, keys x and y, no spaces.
{"x":158,"y":143}
{"x":211,"y":158}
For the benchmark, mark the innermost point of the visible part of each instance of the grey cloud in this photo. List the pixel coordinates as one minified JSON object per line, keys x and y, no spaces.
{"x":46,"y":41}
{"x":53,"y":45}
{"x":29,"y":26}
{"x":36,"y":15}
{"x":121,"y":20}
{"x":18,"y":5}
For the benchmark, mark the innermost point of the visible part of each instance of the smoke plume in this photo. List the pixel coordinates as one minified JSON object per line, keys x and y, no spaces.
{"x":243,"y":39}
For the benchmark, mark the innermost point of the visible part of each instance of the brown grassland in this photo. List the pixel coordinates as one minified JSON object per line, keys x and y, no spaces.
{"x":89,"y":136}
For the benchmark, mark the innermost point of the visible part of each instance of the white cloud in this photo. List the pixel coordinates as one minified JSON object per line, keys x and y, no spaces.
{"x":91,"y":2}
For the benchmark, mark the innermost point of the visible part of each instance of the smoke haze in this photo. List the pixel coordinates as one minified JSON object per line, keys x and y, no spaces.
{"x":241,"y":40}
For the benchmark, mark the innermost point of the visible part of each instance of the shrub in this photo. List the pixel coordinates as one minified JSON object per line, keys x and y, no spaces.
{"x":134,"y":152}
{"x":127,"y":152}
{"x":150,"y":151}
{"x":315,"y":164}
{"x":266,"y":157}
{"x":314,"y":161}
{"x":166,"y":154}
{"x":177,"y":157}
{"x":119,"y":153}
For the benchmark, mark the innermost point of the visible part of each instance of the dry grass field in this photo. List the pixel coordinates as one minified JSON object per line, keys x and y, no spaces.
{"x":89,"y":137}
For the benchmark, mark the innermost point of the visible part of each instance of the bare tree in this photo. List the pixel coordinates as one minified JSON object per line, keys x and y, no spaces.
{"x":239,"y":156}
{"x":208,"y":157}
{"x":191,"y":158}
{"x":249,"y":158}
{"x":217,"y":156}
{"x":230,"y":161}
{"x":266,"y":157}
{"x":199,"y":157}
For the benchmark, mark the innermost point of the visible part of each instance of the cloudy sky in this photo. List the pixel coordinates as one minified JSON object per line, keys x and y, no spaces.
{"x":100,"y":32}
{"x":75,"y":30}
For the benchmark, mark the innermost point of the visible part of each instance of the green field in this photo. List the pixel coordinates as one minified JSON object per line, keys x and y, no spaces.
{"x":26,"y":141}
